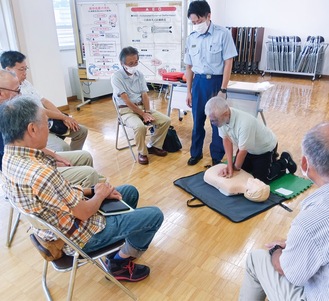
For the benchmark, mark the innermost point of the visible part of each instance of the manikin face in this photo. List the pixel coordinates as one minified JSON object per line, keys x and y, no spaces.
{"x":20,"y":69}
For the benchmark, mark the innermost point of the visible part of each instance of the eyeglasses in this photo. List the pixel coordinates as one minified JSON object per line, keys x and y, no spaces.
{"x":16,"y":91}
{"x":22,"y":69}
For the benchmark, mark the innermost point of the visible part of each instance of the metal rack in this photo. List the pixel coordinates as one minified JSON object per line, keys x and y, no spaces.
{"x":285,"y":55}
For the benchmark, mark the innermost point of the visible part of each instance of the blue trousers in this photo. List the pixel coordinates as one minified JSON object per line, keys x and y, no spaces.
{"x":203,"y":89}
{"x":137,"y":228}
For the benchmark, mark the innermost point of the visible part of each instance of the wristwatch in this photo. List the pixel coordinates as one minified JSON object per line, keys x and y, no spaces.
{"x":223,"y":90}
{"x":276,"y":247}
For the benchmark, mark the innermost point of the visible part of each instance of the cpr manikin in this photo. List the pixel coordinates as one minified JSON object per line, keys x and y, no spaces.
{"x":240,"y":183}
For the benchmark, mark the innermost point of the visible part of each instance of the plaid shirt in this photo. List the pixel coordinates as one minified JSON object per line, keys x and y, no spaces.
{"x":35,"y":185}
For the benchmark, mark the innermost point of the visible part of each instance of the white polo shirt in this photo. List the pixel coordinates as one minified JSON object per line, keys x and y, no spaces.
{"x":248,"y":133}
{"x":27,"y":89}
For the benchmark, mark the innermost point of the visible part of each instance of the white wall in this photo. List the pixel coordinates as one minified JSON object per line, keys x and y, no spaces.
{"x":280,"y":17}
{"x":37,"y":38}
{"x":50,"y":73}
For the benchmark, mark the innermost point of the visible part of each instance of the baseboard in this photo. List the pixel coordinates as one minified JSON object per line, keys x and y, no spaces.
{"x":72,"y":98}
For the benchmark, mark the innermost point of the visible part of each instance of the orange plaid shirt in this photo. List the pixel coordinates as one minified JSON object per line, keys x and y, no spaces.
{"x":35,"y":185}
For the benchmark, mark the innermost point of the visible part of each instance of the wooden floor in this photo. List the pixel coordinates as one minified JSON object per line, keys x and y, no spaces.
{"x":197,"y":254}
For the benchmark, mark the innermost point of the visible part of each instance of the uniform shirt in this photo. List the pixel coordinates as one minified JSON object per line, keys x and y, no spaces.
{"x":27,"y":89}
{"x":305,"y":259}
{"x":36,"y":186}
{"x":133,"y":85}
{"x":248,"y":133}
{"x":207,"y":52}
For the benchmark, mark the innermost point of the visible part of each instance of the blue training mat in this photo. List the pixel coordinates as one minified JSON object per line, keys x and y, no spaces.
{"x":236,"y":208}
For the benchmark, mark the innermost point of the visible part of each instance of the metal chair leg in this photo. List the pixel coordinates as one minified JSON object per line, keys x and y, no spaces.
{"x":130,"y":146}
{"x":44,"y":280}
{"x":12,"y":227}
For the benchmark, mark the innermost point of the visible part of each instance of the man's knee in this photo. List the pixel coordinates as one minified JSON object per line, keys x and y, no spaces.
{"x":155,"y":214}
{"x":91,"y":176}
{"x":256,"y":258}
{"x":83,"y":131}
{"x":85,"y":158}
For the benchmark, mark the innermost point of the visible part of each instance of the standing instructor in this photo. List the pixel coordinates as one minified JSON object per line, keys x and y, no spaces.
{"x":208,"y":57}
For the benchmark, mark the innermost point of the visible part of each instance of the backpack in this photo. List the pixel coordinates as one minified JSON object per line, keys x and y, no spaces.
{"x":172,"y":143}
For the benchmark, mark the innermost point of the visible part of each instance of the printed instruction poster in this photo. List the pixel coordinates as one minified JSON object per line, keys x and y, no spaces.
{"x":100,"y":36}
{"x":155,"y":29}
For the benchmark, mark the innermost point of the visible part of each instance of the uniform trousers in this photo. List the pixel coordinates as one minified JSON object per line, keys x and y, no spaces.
{"x":203,"y":88}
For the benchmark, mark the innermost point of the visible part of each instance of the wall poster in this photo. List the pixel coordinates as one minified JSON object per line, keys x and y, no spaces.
{"x":100,"y":36}
{"x":155,"y":29}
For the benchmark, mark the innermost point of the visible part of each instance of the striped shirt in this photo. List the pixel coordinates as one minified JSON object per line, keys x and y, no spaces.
{"x":35,"y":185}
{"x":305,"y":260}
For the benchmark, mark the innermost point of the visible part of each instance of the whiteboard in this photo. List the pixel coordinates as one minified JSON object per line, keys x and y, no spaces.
{"x":156,"y":28}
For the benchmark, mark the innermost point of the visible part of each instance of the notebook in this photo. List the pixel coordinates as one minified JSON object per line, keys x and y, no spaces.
{"x":112,"y":207}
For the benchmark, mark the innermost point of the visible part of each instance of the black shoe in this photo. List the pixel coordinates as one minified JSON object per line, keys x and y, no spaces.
{"x":127,"y":270}
{"x":291,"y":165}
{"x":216,"y":161}
{"x":194,"y":160}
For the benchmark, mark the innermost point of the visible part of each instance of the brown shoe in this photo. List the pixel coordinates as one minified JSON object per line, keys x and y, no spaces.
{"x":157,"y":151}
{"x":143,"y":159}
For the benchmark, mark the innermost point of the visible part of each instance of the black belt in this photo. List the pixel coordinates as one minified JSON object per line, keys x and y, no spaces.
{"x":125,"y":106}
{"x":209,"y":76}
{"x":74,"y":227}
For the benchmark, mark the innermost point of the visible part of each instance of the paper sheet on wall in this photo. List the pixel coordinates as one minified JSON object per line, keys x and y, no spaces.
{"x":155,"y":30}
{"x":100,"y":39}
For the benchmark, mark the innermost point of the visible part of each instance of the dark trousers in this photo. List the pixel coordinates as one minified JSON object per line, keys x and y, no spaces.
{"x":203,"y":89}
{"x":265,"y":167}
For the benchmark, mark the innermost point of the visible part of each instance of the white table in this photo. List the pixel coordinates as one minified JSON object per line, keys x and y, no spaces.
{"x":241,"y":95}
{"x":247,"y":96}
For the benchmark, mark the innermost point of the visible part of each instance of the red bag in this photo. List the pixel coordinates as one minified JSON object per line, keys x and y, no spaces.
{"x":172,"y":76}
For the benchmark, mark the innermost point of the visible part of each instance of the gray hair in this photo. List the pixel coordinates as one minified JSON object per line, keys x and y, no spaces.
{"x":216,"y":105}
{"x":15,"y":116}
{"x":126,"y":52}
{"x":315,"y":147}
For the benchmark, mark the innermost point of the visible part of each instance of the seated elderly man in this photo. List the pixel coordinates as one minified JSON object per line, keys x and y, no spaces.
{"x":297,"y":268}
{"x":35,"y":185}
{"x":130,"y":93}
{"x":75,"y":166}
{"x":257,"y":144}
{"x":15,"y":61}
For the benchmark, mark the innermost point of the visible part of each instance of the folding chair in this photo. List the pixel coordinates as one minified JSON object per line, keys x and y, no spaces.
{"x":72,"y":263}
{"x":123,"y":127}
{"x":12,"y":227}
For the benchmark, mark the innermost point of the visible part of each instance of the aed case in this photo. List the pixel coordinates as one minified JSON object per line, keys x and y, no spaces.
{"x":172,"y":76}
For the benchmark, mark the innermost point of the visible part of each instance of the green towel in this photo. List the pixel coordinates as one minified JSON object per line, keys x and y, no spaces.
{"x":289,"y":186}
